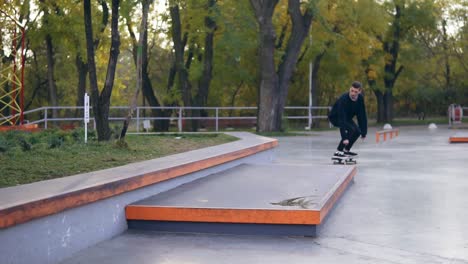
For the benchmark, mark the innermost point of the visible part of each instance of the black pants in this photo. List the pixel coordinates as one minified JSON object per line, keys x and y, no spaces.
{"x":352,"y":133}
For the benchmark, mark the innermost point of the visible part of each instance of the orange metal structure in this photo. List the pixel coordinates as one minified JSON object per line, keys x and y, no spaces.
{"x":12,"y":77}
{"x":390,"y":132}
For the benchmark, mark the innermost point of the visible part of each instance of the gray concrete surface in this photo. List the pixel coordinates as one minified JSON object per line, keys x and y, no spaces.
{"x":256,"y":186}
{"x":409,"y":204}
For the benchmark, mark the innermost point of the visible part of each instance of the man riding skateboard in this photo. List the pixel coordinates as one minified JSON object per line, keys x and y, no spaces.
{"x":349,"y":105}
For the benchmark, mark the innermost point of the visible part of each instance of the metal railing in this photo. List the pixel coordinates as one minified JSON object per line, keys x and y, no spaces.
{"x":43,"y":115}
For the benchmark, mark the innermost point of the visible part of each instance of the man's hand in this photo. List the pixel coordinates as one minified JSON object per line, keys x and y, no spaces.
{"x":346,"y":142}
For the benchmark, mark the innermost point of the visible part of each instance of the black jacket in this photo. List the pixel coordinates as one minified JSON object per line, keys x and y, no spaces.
{"x":344,"y":110}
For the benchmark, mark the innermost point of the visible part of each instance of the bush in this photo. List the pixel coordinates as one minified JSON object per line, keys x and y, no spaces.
{"x":55,"y":141}
{"x":4,"y":146}
{"x":24,"y":144}
{"x":35,"y":139}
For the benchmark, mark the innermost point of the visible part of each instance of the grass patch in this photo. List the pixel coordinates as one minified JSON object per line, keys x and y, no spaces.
{"x":31,"y":157}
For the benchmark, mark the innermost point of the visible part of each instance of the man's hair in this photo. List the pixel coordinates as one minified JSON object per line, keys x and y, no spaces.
{"x":356,"y":84}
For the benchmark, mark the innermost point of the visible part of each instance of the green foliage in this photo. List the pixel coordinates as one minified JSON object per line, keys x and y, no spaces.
{"x":24,"y":144}
{"x":55,"y":141}
{"x":115,"y":131}
{"x":121,"y":144}
{"x":4,"y":144}
{"x":42,"y":163}
{"x":349,"y":33}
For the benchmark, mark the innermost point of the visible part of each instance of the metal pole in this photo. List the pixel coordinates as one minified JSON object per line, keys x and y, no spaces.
{"x":180,"y":119}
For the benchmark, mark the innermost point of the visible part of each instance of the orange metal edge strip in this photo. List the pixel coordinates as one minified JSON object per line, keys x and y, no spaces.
{"x":337,"y":194}
{"x":36,"y":209}
{"x":223,"y":215}
{"x":458,"y":139}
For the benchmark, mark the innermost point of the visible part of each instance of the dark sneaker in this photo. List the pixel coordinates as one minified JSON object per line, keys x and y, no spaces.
{"x":339,"y":154}
{"x":350,"y":154}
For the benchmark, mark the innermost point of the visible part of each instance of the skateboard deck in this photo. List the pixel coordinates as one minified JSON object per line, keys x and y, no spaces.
{"x":344,"y":160}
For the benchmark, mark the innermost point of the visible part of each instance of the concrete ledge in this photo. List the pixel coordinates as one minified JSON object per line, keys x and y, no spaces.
{"x":250,"y":196}
{"x":27,"y":202}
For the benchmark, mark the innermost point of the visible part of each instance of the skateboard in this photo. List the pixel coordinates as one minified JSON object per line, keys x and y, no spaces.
{"x":344,"y":160}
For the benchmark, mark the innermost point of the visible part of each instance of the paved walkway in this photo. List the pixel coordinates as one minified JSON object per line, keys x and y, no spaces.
{"x":409,"y":204}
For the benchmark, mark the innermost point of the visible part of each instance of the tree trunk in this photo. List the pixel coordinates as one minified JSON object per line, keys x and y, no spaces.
{"x":268,"y":94}
{"x":39,"y":83}
{"x":181,"y":70}
{"x":233,"y":98}
{"x":274,"y":86}
{"x":91,"y":62}
{"x":388,"y":106}
{"x":51,"y":85}
{"x":142,"y":50}
{"x":147,"y":88}
{"x":101,"y":102}
{"x":450,"y":93}
{"x":82,"y":68}
{"x":300,"y":29}
{"x":50,"y":75}
{"x":392,"y":48}
{"x":201,"y":98}
{"x":315,"y":80}
{"x":380,"y":106}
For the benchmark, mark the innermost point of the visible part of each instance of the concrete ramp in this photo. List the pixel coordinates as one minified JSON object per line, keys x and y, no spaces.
{"x":274,"y":199}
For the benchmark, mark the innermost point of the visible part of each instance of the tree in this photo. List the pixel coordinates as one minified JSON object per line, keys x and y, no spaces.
{"x":101,"y":101}
{"x":274,"y":80}
{"x":235,"y":70}
{"x":197,"y":52}
{"x":406,"y":16}
{"x":139,"y":63}
{"x":50,"y":58}
{"x":201,"y":96}
{"x":181,"y":68}
{"x":149,"y":93}
{"x":81,"y":63}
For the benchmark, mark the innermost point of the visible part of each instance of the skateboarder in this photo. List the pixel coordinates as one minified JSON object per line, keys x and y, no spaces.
{"x":349,"y":105}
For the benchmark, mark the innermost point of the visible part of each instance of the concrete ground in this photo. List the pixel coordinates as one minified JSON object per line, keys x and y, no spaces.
{"x":408,"y":204}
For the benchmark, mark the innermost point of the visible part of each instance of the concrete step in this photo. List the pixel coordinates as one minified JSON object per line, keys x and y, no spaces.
{"x":277,"y":199}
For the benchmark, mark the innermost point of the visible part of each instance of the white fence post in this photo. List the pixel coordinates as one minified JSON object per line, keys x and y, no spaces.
{"x":45,"y":117}
{"x":86,"y":116}
{"x":138,"y":118}
{"x":217,"y":113}
{"x":179,"y":122}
